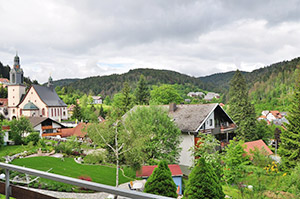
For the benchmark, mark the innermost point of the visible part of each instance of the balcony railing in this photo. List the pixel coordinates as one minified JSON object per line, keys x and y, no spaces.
{"x":81,"y":183}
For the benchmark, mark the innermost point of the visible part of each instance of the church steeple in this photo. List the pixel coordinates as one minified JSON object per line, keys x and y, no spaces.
{"x":17,"y":61}
{"x":16,"y":73}
{"x":50,"y":82}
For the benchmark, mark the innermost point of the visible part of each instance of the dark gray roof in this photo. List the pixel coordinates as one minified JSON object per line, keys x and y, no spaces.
{"x":189,"y":117}
{"x":48,"y":96}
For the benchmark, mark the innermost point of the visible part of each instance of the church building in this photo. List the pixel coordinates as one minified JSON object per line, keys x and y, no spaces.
{"x":38,"y":101}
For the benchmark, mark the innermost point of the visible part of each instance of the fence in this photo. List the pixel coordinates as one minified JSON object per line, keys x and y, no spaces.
{"x":77,"y":182}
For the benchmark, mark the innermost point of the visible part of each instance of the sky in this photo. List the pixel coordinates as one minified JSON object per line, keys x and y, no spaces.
{"x":82,"y":38}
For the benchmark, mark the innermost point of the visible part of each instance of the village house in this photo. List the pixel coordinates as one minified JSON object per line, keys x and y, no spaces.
{"x":46,"y":126}
{"x":275,"y":117}
{"x":38,"y":101}
{"x":195,"y":94}
{"x":4,"y":82}
{"x":196,"y":119}
{"x":210,"y":96}
{"x":97,"y":100}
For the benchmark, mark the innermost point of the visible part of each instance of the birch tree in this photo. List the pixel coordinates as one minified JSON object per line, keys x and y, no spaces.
{"x":115,"y":137}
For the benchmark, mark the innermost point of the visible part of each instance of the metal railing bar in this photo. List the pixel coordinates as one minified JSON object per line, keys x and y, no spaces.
{"x":81,"y":183}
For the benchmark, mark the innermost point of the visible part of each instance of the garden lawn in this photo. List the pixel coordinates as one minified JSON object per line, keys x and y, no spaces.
{"x":11,"y":150}
{"x":68,"y":167}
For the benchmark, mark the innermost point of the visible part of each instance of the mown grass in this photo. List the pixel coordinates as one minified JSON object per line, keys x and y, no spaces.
{"x":68,"y":167}
{"x":11,"y":150}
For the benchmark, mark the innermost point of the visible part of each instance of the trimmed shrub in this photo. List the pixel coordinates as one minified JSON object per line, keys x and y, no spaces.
{"x":161,"y":182}
{"x":96,"y":157}
{"x":33,"y":137}
{"x":203,"y":183}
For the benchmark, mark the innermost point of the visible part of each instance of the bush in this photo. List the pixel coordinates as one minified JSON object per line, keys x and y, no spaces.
{"x":96,"y":157}
{"x":33,"y":137}
{"x":260,"y":158}
{"x":203,"y":183}
{"x":292,"y":181}
{"x":160,"y":182}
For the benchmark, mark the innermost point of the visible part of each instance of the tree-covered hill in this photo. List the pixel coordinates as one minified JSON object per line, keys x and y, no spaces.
{"x":111,"y":84}
{"x":4,"y":71}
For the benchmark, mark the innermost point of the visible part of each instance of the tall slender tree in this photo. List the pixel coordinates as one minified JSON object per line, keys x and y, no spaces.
{"x":142,"y":93}
{"x":240,"y":109}
{"x":290,"y":139}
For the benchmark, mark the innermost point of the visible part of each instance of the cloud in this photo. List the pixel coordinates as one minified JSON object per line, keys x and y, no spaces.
{"x":88,"y":38}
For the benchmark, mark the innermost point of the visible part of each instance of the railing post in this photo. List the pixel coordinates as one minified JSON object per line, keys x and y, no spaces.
{"x":7,"y":188}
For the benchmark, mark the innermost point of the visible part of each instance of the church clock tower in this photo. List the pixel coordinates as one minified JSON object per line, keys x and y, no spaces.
{"x":15,"y":89}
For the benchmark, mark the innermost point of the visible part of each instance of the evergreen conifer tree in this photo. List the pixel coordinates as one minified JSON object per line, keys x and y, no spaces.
{"x":160,"y":182}
{"x":77,"y":114}
{"x":203,"y":183}
{"x":142,"y":93}
{"x":240,"y":109}
{"x":289,"y":148}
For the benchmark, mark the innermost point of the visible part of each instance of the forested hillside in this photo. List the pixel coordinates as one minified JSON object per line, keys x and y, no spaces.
{"x":111,"y":84}
{"x":4,"y":71}
{"x":269,"y":87}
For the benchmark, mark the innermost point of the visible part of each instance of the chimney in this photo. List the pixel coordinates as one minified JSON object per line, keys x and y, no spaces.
{"x":172,"y":107}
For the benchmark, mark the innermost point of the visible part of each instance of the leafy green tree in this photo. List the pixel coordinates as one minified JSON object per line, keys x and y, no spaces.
{"x":142,"y":93}
{"x":33,"y":137}
{"x":160,"y":182}
{"x":165,"y":94}
{"x":203,"y":182}
{"x":235,"y":160}
{"x":101,"y":112}
{"x":116,"y":139}
{"x":206,"y":148}
{"x":290,"y":139}
{"x":159,"y":131}
{"x":263,"y":131}
{"x":3,"y":92}
{"x":19,"y":127}
{"x":240,"y":109}
{"x":107,"y":100}
{"x":123,"y":101}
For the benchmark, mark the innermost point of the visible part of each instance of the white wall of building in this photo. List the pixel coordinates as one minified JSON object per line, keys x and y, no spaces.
{"x":186,"y":157}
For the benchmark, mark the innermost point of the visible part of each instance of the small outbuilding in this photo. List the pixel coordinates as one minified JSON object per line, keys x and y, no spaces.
{"x":177,"y":174}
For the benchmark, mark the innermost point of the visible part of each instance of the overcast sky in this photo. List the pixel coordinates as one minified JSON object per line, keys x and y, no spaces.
{"x":82,"y":38}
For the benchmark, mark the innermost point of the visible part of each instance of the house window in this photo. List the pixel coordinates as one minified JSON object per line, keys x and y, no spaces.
{"x":210,"y":122}
{"x":43,"y":111}
{"x":13,"y":96}
{"x":55,"y":112}
{"x":20,"y":111}
{"x":64,"y":113}
{"x":51,"y":112}
{"x":14,"y":111}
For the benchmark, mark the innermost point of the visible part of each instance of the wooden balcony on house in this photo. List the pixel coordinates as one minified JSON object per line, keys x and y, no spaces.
{"x":47,"y":127}
{"x":51,"y":134}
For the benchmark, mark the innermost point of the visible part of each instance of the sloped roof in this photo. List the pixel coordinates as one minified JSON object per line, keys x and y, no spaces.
{"x":3,"y":101}
{"x":30,"y":106}
{"x":276,"y":114}
{"x":48,"y":96}
{"x":257,"y":144}
{"x":4,"y":80}
{"x":146,"y":171}
{"x":189,"y":117}
{"x":38,"y":120}
{"x":78,"y":131}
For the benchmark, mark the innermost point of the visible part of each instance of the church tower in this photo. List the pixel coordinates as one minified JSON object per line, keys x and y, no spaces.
{"x":16,"y":89}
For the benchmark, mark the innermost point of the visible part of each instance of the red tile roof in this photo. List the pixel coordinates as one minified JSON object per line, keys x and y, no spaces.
{"x":3,"y":101}
{"x":79,"y":131}
{"x":146,"y":171}
{"x":258,"y":144}
{"x":276,"y":114}
{"x":4,"y":80}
